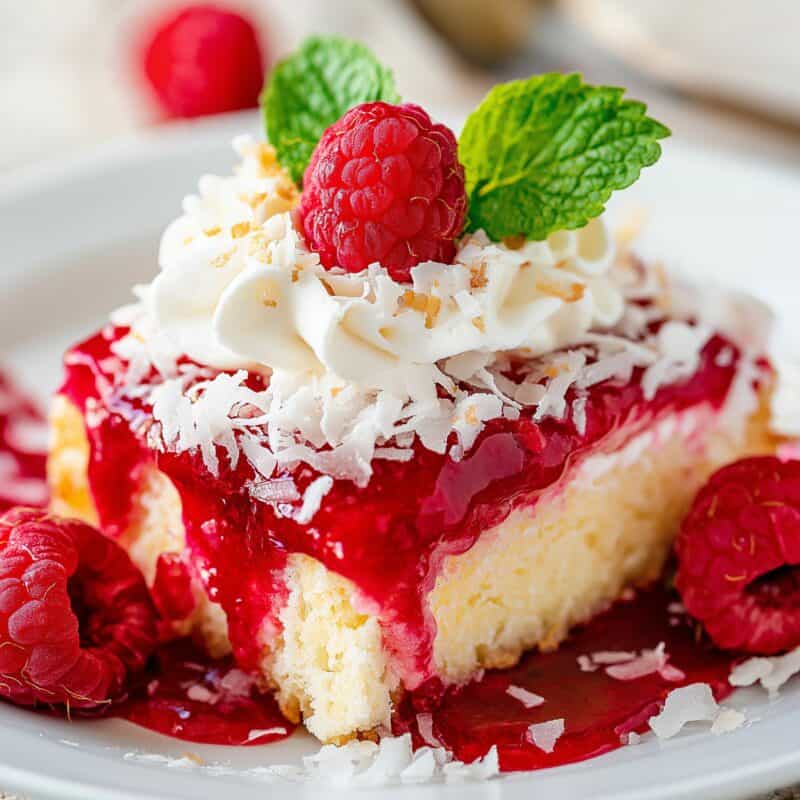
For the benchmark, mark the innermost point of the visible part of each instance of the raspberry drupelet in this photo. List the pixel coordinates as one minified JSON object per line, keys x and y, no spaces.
{"x":738,"y":553}
{"x":384,"y":185}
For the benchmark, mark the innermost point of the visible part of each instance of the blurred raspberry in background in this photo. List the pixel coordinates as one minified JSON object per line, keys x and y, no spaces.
{"x":202,"y":59}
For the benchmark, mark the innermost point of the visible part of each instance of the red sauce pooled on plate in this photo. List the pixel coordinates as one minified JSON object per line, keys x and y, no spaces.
{"x":198,"y":699}
{"x":599,"y":711}
{"x":23,"y":449}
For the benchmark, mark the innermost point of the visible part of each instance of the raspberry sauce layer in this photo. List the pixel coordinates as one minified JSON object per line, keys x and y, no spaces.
{"x":192,"y":697}
{"x":23,"y":449}
{"x":599,"y":711}
{"x":389,"y":537}
{"x":187,"y":695}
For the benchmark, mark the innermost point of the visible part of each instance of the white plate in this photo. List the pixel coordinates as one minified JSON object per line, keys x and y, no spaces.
{"x":742,"y":52}
{"x":76,"y":236}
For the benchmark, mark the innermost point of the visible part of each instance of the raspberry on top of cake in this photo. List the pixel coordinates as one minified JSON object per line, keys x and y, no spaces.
{"x":398,"y":407}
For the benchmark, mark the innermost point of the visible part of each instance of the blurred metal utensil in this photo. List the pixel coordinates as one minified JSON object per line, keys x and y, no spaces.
{"x":483,"y":32}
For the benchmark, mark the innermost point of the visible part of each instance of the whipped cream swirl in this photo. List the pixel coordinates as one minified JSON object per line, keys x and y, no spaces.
{"x":238,"y":288}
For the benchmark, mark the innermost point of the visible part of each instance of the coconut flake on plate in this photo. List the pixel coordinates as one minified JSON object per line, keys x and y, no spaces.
{"x":586,"y":664}
{"x":528,"y":699}
{"x":425,"y":726}
{"x":479,"y":770}
{"x":612,"y":656}
{"x":258,"y":733}
{"x":393,"y":757}
{"x":545,"y":734}
{"x":201,"y":694}
{"x":771,"y":672}
{"x":631,"y":666}
{"x":727,"y":721}
{"x":692,"y":703}
{"x":423,"y":766}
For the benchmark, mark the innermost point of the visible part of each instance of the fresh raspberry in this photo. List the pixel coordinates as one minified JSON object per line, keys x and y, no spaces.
{"x":738,"y":555}
{"x":203,"y":59}
{"x":76,"y":618}
{"x":384,"y":184}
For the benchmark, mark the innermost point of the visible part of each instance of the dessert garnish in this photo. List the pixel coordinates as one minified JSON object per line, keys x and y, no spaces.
{"x":76,"y":619}
{"x":384,"y":185}
{"x":544,"y":154}
{"x":314,"y":88}
{"x":738,"y":555}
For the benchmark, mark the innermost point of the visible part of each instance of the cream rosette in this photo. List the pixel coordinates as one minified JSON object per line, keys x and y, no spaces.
{"x":267,"y":301}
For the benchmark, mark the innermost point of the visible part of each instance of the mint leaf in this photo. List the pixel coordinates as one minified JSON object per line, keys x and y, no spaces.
{"x":312,"y":88}
{"x":545,"y":154}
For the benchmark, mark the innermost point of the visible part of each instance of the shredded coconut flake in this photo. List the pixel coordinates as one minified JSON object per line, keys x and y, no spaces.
{"x":612,"y":656}
{"x":480,"y":770}
{"x":425,"y":725}
{"x":772,"y":673}
{"x":648,"y":662}
{"x":693,"y":703}
{"x":201,"y":694}
{"x":545,"y":734}
{"x":339,"y":428}
{"x":728,"y":720}
{"x":258,"y":733}
{"x":422,"y":768}
{"x":586,"y":664}
{"x":528,"y":699}
{"x":312,"y":498}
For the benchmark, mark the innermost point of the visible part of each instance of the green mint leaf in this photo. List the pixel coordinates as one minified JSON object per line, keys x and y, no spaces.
{"x":313,"y":88}
{"x":545,"y":154}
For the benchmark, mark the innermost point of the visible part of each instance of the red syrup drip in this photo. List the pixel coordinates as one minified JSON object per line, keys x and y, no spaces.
{"x":23,"y":432}
{"x":192,"y":697}
{"x":233,"y":710}
{"x":597,"y":710}
{"x":388,"y":537}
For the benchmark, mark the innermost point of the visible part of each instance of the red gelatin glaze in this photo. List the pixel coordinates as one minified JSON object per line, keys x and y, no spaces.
{"x":598,"y":711}
{"x":388,"y":537}
{"x":192,"y":697}
{"x":23,"y":437}
{"x":198,"y":699}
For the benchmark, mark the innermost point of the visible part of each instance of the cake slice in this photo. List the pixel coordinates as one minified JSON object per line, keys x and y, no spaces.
{"x":372,"y":454}
{"x":434,"y":570}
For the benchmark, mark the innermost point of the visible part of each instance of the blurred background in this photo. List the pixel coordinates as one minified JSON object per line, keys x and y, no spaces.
{"x":73,"y":73}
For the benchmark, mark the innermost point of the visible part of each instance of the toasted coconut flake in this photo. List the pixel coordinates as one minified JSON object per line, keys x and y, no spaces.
{"x":240,"y":229}
{"x":568,"y":292}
